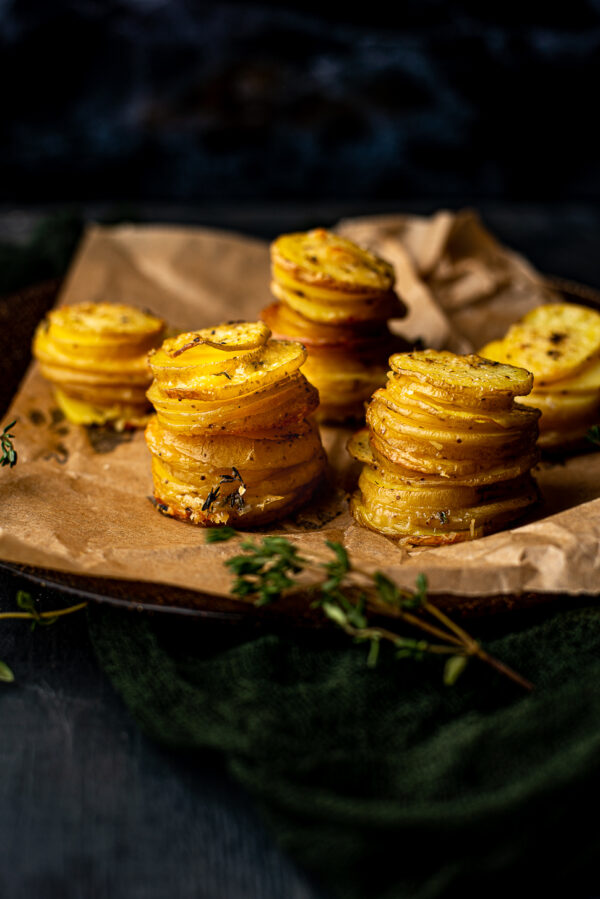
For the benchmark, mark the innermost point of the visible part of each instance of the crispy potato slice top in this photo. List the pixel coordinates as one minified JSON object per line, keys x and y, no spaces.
{"x":228,"y":343}
{"x":99,"y":320}
{"x":471,"y":375}
{"x":227,"y":337}
{"x":553,"y":341}
{"x":319,"y":255}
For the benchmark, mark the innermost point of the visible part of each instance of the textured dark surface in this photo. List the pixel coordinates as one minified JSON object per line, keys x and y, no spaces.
{"x":188,"y":101}
{"x":89,"y":808}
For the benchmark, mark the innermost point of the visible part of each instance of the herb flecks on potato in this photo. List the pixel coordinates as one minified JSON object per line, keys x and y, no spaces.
{"x":232,"y":441}
{"x":560,"y":344}
{"x":447,"y":455}
{"x":335,"y":297}
{"x":95,"y":356}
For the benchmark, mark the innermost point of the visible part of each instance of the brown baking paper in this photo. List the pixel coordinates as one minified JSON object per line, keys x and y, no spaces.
{"x":77,"y":500}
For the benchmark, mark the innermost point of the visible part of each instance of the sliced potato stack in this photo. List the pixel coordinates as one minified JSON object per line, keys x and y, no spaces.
{"x":560,"y":344}
{"x":232,"y":441}
{"x":95,"y":355}
{"x":448,"y":453}
{"x":336,"y":298}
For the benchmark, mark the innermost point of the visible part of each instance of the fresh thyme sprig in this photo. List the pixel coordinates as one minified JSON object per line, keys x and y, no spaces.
{"x":593,"y":435}
{"x":269,"y":570}
{"x":9,"y":453}
{"x":30,"y":612}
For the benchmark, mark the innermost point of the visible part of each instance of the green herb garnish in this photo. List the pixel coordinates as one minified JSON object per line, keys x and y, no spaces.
{"x":268,"y":570}
{"x":30,"y":612}
{"x":593,"y":435}
{"x":9,"y":453}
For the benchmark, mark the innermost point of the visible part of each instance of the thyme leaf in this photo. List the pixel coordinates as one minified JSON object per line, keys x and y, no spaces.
{"x":212,"y":495}
{"x":6,"y":675}
{"x":9,"y":453}
{"x":593,"y":435}
{"x":220,"y":535}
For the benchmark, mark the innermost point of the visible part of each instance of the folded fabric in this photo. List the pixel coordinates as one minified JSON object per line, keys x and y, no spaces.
{"x":382,"y":782}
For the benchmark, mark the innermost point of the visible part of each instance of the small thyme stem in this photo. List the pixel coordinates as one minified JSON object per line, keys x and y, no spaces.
{"x":57,"y":614}
{"x":513,"y":675}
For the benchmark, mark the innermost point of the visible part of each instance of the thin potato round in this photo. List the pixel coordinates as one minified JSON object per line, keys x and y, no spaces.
{"x":471,"y":375}
{"x":210,"y":346}
{"x":586,"y":381}
{"x":91,"y":323}
{"x":505,"y":470}
{"x":553,"y":341}
{"x":343,"y":310}
{"x":501,"y":402}
{"x":120,"y":415}
{"x":464,"y":431}
{"x":320,"y":257}
{"x":217,"y":450}
{"x":425,"y":408}
{"x":279,"y":359}
{"x":49,"y":352}
{"x":389,"y":427}
{"x":285,"y":323}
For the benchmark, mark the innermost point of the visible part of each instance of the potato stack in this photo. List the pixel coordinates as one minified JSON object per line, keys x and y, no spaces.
{"x":448,"y":453}
{"x":232,"y":441}
{"x":336,"y":299}
{"x":95,"y":356}
{"x":560,"y":344}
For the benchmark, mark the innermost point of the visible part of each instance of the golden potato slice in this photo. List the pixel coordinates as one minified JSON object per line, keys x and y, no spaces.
{"x":278,"y":360}
{"x":278,"y":408}
{"x":120,"y":415}
{"x":585,"y":381}
{"x":287,"y":324}
{"x":359,"y":447}
{"x":48,"y":351}
{"x":420,"y":390}
{"x":344,"y":310}
{"x":505,"y":470}
{"x":251,"y":454}
{"x":553,"y":341}
{"x":92,"y":323}
{"x":402,"y":394}
{"x":405,"y":506}
{"x":137,"y":375}
{"x":377,"y":486}
{"x":209,"y":496}
{"x":561,"y":409}
{"x":455,"y":423}
{"x":411,"y":532}
{"x":418,"y":458}
{"x":401,"y":436}
{"x":211,"y":345}
{"x":463,"y":375}
{"x":322,"y":258}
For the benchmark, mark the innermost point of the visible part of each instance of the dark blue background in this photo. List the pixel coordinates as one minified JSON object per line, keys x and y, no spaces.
{"x":176,"y":101}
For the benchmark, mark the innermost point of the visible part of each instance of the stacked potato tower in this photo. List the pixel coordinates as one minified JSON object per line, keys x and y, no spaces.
{"x":448,"y":452}
{"x":336,"y":299}
{"x":95,"y":355}
{"x":560,"y":344}
{"x":232,"y":442}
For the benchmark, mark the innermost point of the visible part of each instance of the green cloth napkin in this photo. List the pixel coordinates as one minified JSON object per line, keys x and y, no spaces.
{"x":382,"y":782}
